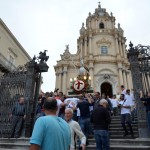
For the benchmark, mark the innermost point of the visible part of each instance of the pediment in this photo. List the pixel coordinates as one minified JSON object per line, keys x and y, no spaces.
{"x":104,"y":41}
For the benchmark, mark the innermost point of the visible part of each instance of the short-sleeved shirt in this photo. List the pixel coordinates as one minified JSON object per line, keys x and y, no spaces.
{"x":125,"y":103}
{"x":51,"y":133}
{"x":130,"y":98}
{"x":114,"y":103}
{"x":84,"y":108}
{"x":59,"y":102}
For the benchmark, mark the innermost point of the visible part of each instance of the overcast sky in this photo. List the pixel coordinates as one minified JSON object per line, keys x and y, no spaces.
{"x":51,"y":24}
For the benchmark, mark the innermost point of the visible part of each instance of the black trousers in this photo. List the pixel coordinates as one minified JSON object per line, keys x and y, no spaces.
{"x":126,"y":118}
{"x":16,"y":126}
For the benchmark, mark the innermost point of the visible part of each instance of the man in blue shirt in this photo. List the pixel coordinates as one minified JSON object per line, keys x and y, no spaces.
{"x":50,"y":132}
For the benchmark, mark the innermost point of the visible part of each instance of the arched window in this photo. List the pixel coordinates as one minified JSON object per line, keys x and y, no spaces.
{"x":101,"y":25}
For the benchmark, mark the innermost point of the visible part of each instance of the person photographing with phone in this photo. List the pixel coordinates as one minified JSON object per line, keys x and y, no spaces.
{"x":125,"y":106}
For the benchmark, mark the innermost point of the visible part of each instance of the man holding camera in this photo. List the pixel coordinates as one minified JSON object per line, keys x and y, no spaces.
{"x":125,"y":106}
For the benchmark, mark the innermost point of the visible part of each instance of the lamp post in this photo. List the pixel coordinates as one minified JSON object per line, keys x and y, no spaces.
{"x":40,"y":67}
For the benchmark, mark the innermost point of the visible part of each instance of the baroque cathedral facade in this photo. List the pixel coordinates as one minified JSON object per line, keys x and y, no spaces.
{"x":102,"y":48}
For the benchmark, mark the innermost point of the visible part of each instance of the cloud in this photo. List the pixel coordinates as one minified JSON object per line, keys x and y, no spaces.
{"x":51,"y":24}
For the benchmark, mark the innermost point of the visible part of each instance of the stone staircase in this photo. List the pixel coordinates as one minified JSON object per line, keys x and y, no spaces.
{"x":117,"y":141}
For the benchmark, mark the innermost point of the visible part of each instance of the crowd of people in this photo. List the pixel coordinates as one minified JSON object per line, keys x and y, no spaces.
{"x":61,"y":119}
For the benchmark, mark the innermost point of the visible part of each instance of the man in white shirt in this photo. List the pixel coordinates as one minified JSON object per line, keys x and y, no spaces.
{"x":126,"y":115}
{"x":114,"y":103}
{"x":75,"y":130}
{"x":129,"y":96}
{"x":123,"y":90}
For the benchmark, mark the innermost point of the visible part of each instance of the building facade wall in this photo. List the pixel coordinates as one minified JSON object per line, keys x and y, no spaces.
{"x":102,"y":47}
{"x":12,"y":54}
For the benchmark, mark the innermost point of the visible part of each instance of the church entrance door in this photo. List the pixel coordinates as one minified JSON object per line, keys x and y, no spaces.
{"x":107,"y":89}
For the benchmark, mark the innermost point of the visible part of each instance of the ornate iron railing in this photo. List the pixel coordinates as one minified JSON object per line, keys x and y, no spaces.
{"x":25,"y":81}
{"x":139,"y":58}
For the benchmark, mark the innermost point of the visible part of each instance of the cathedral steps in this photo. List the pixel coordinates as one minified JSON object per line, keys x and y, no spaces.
{"x":117,"y":141}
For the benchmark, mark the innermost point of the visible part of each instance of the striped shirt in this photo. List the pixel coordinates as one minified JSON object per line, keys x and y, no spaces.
{"x":19,"y":109}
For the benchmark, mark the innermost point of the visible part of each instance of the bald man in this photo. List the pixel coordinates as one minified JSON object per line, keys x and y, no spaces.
{"x":75,"y":129}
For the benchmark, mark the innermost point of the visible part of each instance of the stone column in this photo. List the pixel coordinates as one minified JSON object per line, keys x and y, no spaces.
{"x":128,"y":80}
{"x":81,"y":52}
{"x":120,"y":76}
{"x":60,"y":79}
{"x":96,"y":26}
{"x":56,"y":82}
{"x":120,"y":47}
{"x":124,"y":49}
{"x":137,"y":85}
{"x":130,"y":76}
{"x":90,"y":45}
{"x":91,"y":74}
{"x":117,"y":46}
{"x":124,"y":79}
{"x":89,"y":24}
{"x":85,"y":46}
{"x":64,"y":85}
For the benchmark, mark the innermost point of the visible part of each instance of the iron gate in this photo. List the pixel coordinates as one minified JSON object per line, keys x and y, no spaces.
{"x":139,"y":58}
{"x":24,"y":81}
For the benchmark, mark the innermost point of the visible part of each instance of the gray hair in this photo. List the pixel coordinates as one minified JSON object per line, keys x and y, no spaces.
{"x":69,"y":109}
{"x":102,"y":101}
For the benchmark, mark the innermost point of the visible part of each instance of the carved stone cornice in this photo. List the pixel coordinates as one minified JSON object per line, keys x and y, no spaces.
{"x":104,"y":41}
{"x":13,"y":51}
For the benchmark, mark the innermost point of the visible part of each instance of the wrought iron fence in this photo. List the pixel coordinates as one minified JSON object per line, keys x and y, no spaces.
{"x":139,"y":58}
{"x":24,"y":81}
{"x":12,"y":86}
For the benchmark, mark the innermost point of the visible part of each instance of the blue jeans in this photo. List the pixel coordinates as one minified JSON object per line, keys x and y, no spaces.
{"x":148,"y":120}
{"x":84,"y":123}
{"x":102,"y":139}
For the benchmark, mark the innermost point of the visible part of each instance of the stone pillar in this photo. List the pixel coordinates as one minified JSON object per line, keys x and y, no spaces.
{"x":124,"y":49}
{"x":130,"y":76}
{"x":96,"y":25}
{"x":90,"y":45}
{"x":91,"y":74}
{"x":120,"y":47}
{"x":60,"y":79}
{"x":137,"y":84}
{"x":124,"y":79}
{"x":81,"y":52}
{"x":89,"y":24}
{"x":117,"y":46}
{"x":64,"y":85}
{"x":85,"y":46}
{"x":128,"y":80}
{"x":56,"y":82}
{"x":31,"y":78}
{"x":120,"y":76}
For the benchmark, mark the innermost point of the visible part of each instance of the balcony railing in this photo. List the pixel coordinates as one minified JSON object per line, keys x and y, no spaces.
{"x":5,"y":64}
